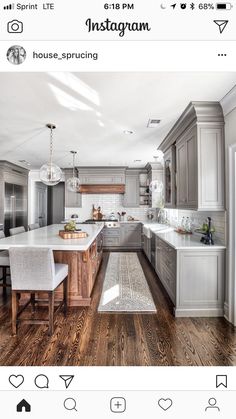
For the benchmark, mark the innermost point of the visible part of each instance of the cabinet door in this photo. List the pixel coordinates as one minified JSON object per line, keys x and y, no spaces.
{"x":169,"y":178}
{"x":72,"y":199}
{"x":181,"y":152}
{"x":187,"y":172}
{"x":131,"y":235}
{"x":131,"y":196}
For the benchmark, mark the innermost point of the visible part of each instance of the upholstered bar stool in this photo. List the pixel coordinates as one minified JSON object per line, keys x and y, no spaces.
{"x":33,"y":270}
{"x":33,"y":226}
{"x":4,"y":265}
{"x":16,"y":230}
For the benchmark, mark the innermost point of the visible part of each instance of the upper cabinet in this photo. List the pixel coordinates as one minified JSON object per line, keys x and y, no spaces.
{"x":169,"y":178}
{"x":102,"y":175}
{"x":72,"y":199}
{"x":198,"y":141}
{"x":131,"y":196}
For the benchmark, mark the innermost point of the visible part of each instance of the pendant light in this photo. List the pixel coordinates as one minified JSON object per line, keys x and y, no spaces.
{"x":50,"y":174}
{"x":73,"y":183}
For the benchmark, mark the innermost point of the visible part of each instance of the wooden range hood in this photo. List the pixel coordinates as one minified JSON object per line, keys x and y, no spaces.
{"x":102,"y":189}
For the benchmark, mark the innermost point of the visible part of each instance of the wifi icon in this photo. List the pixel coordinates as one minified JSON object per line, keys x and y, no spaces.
{"x":9,"y":7}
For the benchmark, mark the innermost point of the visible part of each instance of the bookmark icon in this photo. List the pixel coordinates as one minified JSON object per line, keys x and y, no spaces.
{"x":67,"y":379}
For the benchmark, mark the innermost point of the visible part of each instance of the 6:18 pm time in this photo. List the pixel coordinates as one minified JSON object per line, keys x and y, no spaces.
{"x":118,"y":6}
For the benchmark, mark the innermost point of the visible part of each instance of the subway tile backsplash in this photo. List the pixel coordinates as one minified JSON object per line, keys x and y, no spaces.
{"x":108,"y":203}
{"x":114,"y":202}
{"x":198,"y":218}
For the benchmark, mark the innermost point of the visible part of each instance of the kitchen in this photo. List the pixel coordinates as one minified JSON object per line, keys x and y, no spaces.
{"x":141,"y":221}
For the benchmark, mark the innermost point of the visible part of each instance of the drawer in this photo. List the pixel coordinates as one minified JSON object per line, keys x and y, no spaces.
{"x":111,"y":232}
{"x":111,"y":241}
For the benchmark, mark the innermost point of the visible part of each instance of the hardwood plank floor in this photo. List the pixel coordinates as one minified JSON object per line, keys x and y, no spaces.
{"x":86,"y":337}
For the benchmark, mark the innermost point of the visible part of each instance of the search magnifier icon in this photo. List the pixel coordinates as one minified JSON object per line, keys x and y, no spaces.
{"x":70,"y":404}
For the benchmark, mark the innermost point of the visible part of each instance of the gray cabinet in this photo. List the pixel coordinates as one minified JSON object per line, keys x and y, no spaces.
{"x":131,"y":235}
{"x":131,"y":196}
{"x":147,"y":247}
{"x":102,"y":175}
{"x":72,"y":199}
{"x":199,"y":139}
{"x":170,"y":178}
{"x":193,"y":279}
{"x":187,"y":171}
{"x":127,"y":236}
{"x":111,"y":237}
{"x":166,"y":267}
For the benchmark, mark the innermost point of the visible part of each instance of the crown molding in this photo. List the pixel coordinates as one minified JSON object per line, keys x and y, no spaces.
{"x":228,"y":102}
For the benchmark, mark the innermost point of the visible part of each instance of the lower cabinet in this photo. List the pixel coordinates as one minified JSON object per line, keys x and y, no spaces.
{"x":166,"y":267}
{"x":147,"y":247}
{"x":130,"y":235}
{"x":127,"y":236}
{"x":193,"y":279}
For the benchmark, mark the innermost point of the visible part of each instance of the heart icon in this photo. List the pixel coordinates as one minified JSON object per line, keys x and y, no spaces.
{"x":165,"y":404}
{"x":16,"y":380}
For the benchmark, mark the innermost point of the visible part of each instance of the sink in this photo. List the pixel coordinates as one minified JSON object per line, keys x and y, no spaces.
{"x":152,"y":228}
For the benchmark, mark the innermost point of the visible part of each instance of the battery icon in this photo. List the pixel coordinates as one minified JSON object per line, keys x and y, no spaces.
{"x":224,"y":6}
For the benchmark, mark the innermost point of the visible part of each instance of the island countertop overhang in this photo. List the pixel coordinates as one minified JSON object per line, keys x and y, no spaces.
{"x":48,"y":237}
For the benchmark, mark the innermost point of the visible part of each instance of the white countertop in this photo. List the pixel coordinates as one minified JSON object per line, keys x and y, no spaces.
{"x":185,"y":241}
{"x":49,"y":237}
{"x":179,"y":241}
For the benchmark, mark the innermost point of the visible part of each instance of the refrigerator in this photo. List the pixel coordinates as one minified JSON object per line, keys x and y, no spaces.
{"x":15,"y":206}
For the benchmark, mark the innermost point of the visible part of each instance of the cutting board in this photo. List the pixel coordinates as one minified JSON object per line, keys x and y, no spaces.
{"x":72,"y":234}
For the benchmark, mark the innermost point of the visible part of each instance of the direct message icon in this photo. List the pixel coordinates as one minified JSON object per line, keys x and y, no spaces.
{"x":67,"y":379}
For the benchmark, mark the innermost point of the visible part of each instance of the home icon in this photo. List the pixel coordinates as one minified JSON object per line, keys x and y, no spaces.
{"x":23,"y":406}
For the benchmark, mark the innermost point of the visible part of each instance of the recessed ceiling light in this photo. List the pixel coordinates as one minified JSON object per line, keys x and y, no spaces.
{"x":128,"y":132}
{"x":153,"y":123}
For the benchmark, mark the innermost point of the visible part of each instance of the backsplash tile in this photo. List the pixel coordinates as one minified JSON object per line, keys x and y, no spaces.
{"x":108,"y":203}
{"x":197,"y":218}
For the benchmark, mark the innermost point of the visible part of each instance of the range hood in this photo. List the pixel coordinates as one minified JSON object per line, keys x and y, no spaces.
{"x":102,"y":180}
{"x":102,"y":189}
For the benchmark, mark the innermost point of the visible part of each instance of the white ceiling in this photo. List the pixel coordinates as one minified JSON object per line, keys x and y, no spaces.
{"x":91,"y":111}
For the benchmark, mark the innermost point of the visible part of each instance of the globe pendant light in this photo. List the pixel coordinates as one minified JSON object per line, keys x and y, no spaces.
{"x":73,"y":183}
{"x":50,"y":174}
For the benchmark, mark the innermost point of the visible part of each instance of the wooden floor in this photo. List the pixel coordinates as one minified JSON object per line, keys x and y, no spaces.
{"x":88,"y":338}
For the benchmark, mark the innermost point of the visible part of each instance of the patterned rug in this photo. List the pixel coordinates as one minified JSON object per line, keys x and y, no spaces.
{"x":125,"y":287}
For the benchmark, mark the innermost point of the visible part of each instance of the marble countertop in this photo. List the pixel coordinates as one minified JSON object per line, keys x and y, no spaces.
{"x":185,"y":241}
{"x":176,"y":240}
{"x":49,"y":237}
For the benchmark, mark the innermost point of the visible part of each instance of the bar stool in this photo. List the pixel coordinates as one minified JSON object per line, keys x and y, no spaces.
{"x":33,"y":226}
{"x":4,"y":264}
{"x":33,"y":270}
{"x":16,"y":230}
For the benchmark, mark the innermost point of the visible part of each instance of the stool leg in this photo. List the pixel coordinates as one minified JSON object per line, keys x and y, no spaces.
{"x":65,"y":295}
{"x":32,"y":301}
{"x":14,"y":311}
{"x":4,"y":282}
{"x":51,"y":312}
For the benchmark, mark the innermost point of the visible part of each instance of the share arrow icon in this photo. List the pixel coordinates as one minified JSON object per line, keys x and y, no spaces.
{"x":221,"y":24}
{"x":67,"y":379}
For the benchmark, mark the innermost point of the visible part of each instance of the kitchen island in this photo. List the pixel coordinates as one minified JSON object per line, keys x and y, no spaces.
{"x":83,"y":256}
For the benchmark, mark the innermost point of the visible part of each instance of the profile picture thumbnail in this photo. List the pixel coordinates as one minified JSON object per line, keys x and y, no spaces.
{"x":16,"y":54}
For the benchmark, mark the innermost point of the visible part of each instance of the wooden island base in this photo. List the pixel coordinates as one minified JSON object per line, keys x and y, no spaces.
{"x":83,"y":269}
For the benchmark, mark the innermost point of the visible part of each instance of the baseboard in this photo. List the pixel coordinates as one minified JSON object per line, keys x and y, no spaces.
{"x":199,"y":312}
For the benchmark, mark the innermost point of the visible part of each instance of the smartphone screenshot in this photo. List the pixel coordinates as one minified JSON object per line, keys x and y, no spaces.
{"x":117,"y":209}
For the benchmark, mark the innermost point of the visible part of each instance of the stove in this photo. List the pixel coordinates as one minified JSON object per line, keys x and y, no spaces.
{"x":108,"y":223}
